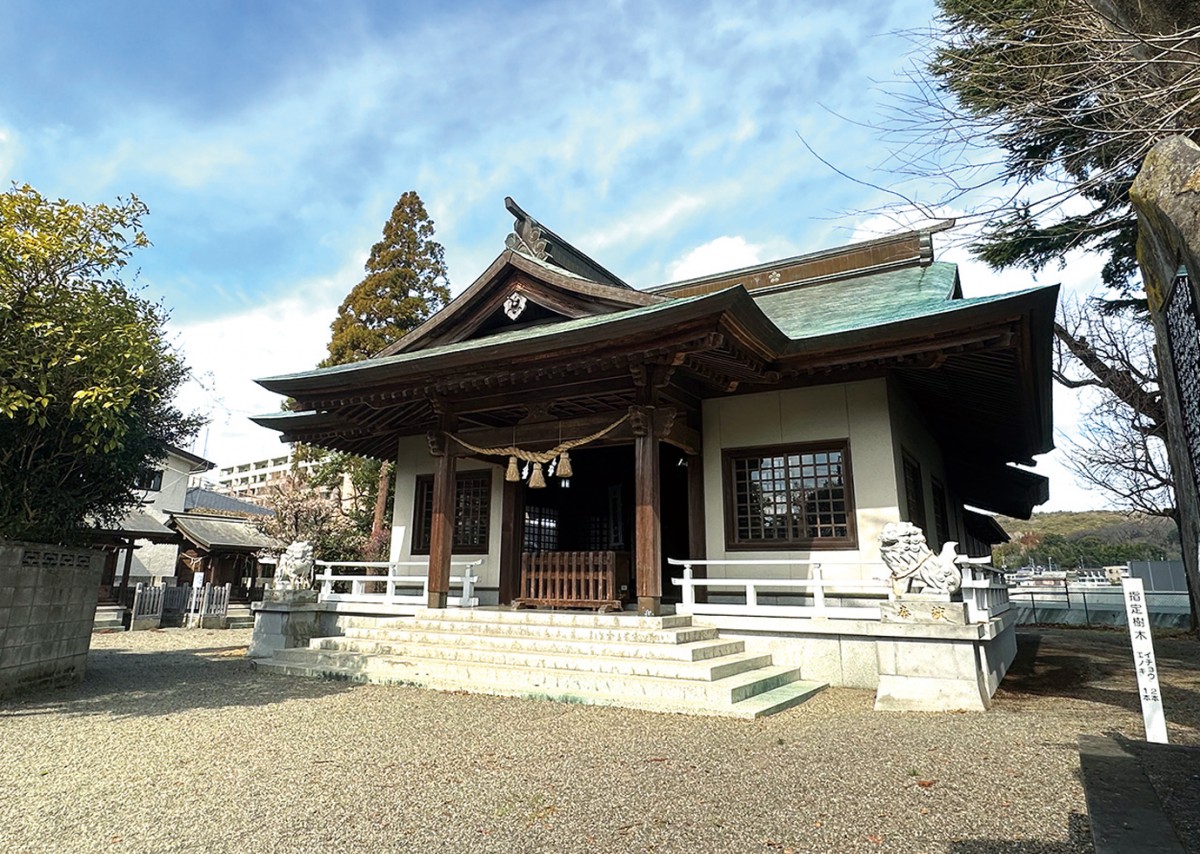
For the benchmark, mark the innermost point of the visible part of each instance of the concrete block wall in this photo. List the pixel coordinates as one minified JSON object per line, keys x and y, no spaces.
{"x":47,"y":607}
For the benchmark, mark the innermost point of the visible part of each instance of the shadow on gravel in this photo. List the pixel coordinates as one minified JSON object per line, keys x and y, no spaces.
{"x":1079,"y":841}
{"x":151,"y":684}
{"x":1096,"y":665}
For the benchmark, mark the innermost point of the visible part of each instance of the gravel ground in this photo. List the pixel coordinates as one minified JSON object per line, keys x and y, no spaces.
{"x":174,"y":743}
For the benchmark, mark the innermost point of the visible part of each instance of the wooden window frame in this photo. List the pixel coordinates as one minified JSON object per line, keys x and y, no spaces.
{"x":423,"y":523}
{"x":907,"y":460}
{"x":941,"y":512}
{"x":728,"y":458}
{"x":150,"y":481}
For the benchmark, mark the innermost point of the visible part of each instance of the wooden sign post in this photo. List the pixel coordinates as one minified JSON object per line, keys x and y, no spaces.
{"x":1143,"y":660}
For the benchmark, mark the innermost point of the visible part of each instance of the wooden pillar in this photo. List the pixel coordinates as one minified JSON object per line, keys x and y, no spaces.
{"x":512,"y":540}
{"x":697,"y":540}
{"x":648,"y":533}
{"x":129,"y":547}
{"x":441,"y":535}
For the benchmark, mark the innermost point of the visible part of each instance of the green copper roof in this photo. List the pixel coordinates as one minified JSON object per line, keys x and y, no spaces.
{"x":864,"y":301}
{"x":547,"y":330}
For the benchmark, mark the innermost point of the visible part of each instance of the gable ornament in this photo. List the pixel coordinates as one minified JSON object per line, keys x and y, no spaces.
{"x":527,"y":238}
{"x":514,"y":306}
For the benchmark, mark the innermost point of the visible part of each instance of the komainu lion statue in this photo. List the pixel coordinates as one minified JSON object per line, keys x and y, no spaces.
{"x":906,"y":554}
{"x":295,"y":567}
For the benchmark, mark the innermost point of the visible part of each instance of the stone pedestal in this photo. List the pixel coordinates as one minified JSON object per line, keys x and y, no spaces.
{"x":933,"y":609}
{"x":285,"y":619}
{"x":940,"y":667}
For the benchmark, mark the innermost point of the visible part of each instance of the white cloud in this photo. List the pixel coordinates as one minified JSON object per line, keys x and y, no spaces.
{"x":716,"y":256}
{"x":227,"y":354}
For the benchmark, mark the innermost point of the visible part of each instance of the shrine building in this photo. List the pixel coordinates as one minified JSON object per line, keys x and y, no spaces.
{"x":569,"y":435}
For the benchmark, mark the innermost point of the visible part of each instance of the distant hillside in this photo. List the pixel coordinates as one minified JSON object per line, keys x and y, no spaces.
{"x":1093,"y":538}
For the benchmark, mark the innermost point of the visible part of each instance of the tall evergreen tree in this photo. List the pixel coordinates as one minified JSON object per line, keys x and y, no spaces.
{"x":406,"y":282}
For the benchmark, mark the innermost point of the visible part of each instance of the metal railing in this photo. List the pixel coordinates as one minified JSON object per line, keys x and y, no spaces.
{"x":1063,"y":604}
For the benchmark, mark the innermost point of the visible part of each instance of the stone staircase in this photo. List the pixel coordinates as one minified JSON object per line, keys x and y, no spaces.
{"x":239,"y":616}
{"x":109,"y":618}
{"x":664,"y":664}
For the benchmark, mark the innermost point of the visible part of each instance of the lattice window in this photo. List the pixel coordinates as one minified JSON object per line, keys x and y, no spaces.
{"x":541,"y":529}
{"x":786,"y":497}
{"x":472,"y":507}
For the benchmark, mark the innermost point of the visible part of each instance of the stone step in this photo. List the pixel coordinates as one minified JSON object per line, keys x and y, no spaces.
{"x":767,"y":703}
{"x":381,"y":639}
{"x":625,"y":619}
{"x":109,"y":618}
{"x":706,"y":670}
{"x":404,"y":628}
{"x":696,"y":697}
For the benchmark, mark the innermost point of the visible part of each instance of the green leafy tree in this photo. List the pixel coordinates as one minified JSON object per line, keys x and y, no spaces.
{"x":406,"y":282}
{"x":86,"y":374}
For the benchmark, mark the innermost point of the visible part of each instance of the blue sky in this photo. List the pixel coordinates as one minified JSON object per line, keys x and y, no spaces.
{"x":271,"y":139}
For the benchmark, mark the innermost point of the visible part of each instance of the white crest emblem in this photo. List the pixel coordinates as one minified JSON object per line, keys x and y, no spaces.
{"x":514,"y":305}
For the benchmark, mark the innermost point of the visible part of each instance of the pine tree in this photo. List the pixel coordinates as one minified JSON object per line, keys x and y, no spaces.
{"x":406,"y":282}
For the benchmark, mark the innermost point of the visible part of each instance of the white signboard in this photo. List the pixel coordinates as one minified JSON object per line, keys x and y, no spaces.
{"x":1143,"y":660}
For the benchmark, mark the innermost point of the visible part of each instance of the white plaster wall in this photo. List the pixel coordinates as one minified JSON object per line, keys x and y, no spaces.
{"x":157,"y":560}
{"x":854,"y":411}
{"x":170,"y":498}
{"x":413,"y":459}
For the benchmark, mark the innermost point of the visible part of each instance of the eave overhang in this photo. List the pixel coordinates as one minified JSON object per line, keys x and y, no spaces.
{"x":993,"y":353}
{"x":984,"y":528}
{"x":999,"y":488}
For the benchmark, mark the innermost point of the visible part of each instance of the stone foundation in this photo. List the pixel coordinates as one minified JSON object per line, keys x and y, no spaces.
{"x":910,"y":666}
{"x":284,"y":620}
{"x":47,"y":607}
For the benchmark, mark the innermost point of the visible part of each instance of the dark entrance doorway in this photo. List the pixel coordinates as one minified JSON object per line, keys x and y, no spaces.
{"x":593,"y":511}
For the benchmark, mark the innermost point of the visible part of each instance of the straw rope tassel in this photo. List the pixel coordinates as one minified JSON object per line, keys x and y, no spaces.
{"x":536,"y":481}
{"x":513,"y":474}
{"x":564,"y":464}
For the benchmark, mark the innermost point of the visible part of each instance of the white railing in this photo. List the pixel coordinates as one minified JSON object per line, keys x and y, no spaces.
{"x":984,"y":590}
{"x":338,"y":586}
{"x":871,"y":590}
